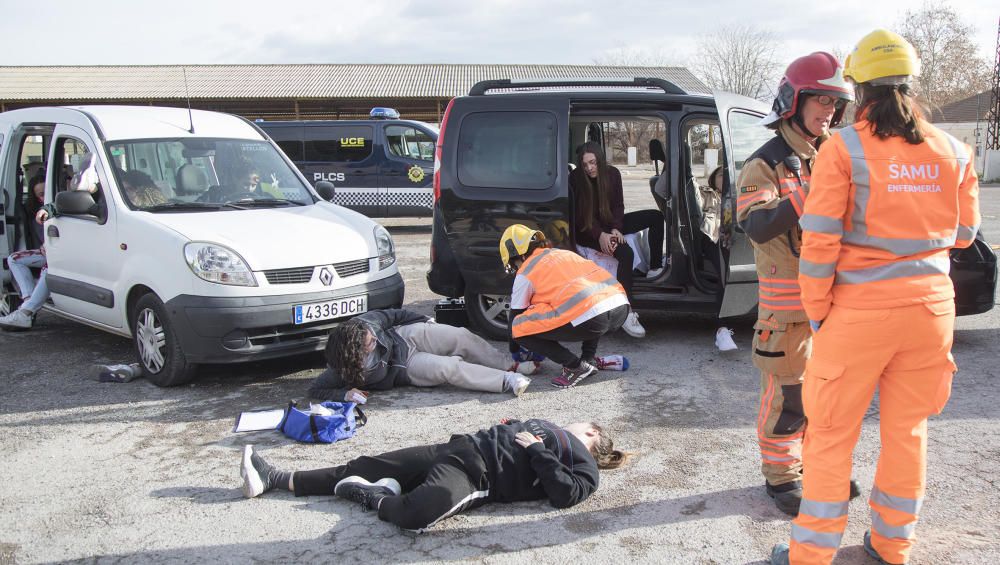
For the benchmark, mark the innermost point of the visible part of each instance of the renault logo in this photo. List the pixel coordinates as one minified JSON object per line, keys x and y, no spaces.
{"x":326,"y":276}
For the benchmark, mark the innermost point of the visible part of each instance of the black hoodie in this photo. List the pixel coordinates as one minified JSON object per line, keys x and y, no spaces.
{"x":560,"y":468}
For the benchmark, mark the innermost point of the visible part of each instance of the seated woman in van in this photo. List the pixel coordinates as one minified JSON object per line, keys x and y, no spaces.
{"x":601,"y":221}
{"x":33,"y":295}
{"x":141,"y":190}
{"x":383,"y":349}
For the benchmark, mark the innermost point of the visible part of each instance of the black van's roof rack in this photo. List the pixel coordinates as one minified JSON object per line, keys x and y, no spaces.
{"x":483,"y":86}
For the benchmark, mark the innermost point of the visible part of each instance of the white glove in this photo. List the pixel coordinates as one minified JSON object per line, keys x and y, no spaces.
{"x":356,"y":396}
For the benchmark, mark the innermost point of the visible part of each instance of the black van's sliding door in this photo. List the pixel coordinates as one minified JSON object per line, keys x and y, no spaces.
{"x":741,"y":136}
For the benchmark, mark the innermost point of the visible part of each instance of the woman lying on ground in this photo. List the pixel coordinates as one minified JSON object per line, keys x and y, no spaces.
{"x":383,"y":349}
{"x":417,"y":487}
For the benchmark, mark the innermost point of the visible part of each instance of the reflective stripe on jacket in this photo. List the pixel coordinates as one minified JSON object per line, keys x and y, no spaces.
{"x":565,"y":286}
{"x":770,"y":202}
{"x":881,"y":217}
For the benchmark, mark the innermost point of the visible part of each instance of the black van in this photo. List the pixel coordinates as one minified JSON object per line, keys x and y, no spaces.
{"x":379,"y":167}
{"x":503,"y":157}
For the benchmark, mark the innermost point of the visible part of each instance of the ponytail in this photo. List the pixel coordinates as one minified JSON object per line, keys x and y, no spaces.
{"x":604,"y":451}
{"x":892,"y":111}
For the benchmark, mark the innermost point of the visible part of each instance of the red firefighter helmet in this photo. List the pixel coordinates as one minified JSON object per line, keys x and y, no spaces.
{"x":816,"y":73}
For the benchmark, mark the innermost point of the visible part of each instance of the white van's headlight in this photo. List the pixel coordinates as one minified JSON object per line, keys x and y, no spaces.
{"x":386,"y":251}
{"x":218,"y":264}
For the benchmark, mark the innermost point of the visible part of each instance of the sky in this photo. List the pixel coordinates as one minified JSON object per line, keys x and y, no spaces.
{"x":136,"y":32}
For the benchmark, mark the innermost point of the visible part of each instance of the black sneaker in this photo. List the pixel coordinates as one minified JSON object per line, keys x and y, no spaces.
{"x":571,"y":377}
{"x":367,"y":493}
{"x":258,"y":476}
{"x":870,"y":550}
{"x":787,"y":497}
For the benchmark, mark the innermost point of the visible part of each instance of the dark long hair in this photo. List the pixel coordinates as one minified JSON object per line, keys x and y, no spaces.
{"x":604,"y":452}
{"x":891,"y":110}
{"x":33,"y":203}
{"x":592,"y":192}
{"x":345,"y":351}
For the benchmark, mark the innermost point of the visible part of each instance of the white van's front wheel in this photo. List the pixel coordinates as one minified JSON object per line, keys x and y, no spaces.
{"x":157,"y":346}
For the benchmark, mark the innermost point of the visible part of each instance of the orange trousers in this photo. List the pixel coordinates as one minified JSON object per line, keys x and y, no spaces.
{"x":906,"y":353}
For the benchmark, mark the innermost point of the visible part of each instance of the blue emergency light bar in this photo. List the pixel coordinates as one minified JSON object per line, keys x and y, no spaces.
{"x":380,"y":113}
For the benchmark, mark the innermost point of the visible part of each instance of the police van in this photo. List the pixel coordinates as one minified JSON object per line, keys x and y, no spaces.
{"x":381,"y":167}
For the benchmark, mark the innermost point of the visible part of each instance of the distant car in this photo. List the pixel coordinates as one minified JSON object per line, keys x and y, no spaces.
{"x":380,"y":167}
{"x":503,"y":157}
{"x":235,"y":259}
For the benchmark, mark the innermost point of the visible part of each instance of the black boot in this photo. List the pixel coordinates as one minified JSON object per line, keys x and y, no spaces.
{"x":787,"y":496}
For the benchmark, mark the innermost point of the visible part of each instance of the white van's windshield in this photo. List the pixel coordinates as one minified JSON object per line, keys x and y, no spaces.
{"x":192,"y":174}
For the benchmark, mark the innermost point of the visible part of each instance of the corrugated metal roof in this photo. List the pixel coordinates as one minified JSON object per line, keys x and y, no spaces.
{"x":294,"y":81}
{"x":971,"y":109}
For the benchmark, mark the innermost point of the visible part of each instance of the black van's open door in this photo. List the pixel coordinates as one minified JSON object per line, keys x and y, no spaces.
{"x":739,"y":117}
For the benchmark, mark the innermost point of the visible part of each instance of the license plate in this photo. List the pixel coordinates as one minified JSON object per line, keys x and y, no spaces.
{"x":307,"y":313}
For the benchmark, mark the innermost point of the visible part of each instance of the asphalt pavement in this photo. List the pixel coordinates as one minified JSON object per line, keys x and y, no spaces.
{"x":99,"y":473}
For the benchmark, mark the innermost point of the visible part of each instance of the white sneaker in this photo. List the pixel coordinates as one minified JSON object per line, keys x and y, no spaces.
{"x":724,"y":340}
{"x":17,"y":321}
{"x":632,"y":326}
{"x":654,"y":273}
{"x":515,"y":383}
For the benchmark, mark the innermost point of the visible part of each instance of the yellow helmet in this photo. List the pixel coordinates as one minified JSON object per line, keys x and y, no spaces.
{"x":882,"y":58}
{"x":515,"y":242}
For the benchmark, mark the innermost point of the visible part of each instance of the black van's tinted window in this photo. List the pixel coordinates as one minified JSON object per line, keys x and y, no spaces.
{"x":508,"y":150}
{"x":338,"y":143}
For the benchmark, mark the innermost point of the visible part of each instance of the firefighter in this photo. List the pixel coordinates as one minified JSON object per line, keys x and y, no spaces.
{"x":891,"y":195}
{"x":559,"y":296}
{"x":772,"y":189}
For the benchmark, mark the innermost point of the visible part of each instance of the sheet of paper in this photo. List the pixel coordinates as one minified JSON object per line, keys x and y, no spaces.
{"x":259,"y":420}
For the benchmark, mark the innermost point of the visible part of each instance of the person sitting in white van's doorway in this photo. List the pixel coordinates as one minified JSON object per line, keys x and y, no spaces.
{"x":383,"y":349}
{"x":23,"y":318}
{"x":33,"y":294}
{"x":601,"y":221}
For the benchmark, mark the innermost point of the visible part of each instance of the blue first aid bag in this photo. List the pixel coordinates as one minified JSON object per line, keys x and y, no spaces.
{"x":321,"y":428}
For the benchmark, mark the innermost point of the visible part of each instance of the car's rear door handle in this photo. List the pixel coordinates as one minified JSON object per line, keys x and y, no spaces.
{"x":52,"y":231}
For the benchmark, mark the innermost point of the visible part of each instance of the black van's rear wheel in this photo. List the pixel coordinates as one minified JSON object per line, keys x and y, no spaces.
{"x":488,"y":312}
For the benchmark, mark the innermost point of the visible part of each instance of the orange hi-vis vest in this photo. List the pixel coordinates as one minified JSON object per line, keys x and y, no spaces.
{"x":881,"y":217}
{"x":565,"y":286}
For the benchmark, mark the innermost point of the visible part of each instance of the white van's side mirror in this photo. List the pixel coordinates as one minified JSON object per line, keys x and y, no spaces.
{"x":326,"y":190}
{"x":75,"y":202}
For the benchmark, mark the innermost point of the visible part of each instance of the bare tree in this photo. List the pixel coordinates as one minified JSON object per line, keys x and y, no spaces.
{"x":634,"y":133}
{"x":739,"y":59}
{"x":951,"y":67}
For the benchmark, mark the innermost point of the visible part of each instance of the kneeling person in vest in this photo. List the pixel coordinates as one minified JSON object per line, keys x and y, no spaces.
{"x":559,"y":296}
{"x":772,"y":189}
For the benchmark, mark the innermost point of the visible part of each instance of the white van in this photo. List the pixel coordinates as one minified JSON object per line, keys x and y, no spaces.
{"x":226,"y":255}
